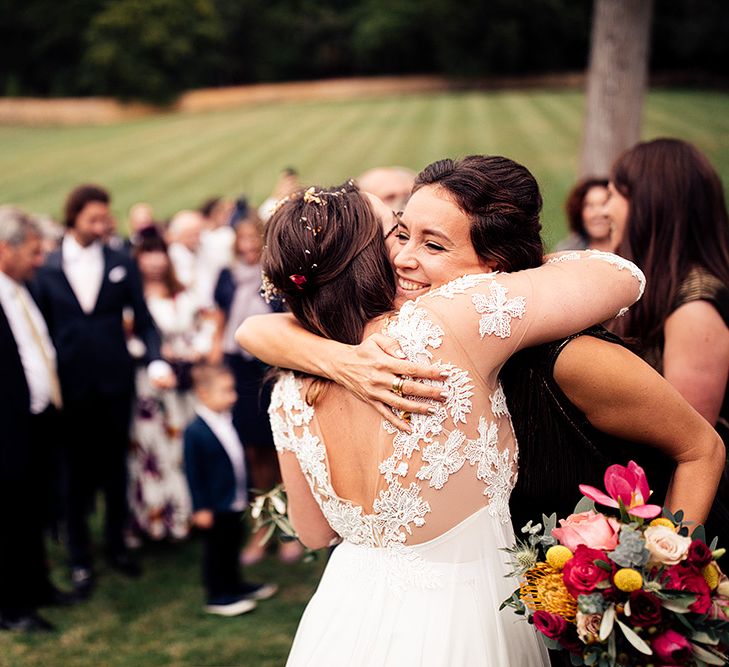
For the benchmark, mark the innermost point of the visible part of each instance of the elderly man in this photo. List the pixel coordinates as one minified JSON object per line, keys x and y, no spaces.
{"x":29,"y":400}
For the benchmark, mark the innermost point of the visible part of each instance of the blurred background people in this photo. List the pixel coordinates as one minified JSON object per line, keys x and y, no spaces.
{"x":237,"y":295}
{"x":183,"y":236}
{"x":140,"y":217}
{"x":30,"y":398}
{"x":216,"y":246}
{"x":392,"y":185}
{"x":158,"y":496}
{"x":588,"y":224}
{"x":288,"y":183}
{"x":83,"y":290}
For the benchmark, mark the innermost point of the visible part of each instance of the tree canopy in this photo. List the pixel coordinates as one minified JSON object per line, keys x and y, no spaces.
{"x":155,"y":49}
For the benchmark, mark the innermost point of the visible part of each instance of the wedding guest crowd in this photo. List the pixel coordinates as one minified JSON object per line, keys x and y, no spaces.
{"x":117,"y":354}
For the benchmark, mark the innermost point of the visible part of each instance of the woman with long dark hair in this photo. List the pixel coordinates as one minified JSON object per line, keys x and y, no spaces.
{"x":422,"y":512}
{"x":667,"y":204}
{"x":588,"y":224}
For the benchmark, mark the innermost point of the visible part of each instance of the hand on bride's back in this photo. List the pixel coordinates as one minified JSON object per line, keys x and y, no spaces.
{"x":369,"y":370}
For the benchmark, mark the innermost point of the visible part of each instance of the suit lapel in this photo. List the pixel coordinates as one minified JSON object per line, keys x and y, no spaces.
{"x":55,"y":261}
{"x":104,"y":277}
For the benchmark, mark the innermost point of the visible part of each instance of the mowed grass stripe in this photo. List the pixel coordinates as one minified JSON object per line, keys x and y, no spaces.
{"x":175,"y":160}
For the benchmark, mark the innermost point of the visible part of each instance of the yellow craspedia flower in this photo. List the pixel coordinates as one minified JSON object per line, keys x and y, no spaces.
{"x":628,"y":580}
{"x":711,"y":575}
{"x":662,"y":521}
{"x":558,"y":555}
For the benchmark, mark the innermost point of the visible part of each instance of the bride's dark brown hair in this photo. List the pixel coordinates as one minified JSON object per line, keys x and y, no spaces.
{"x":326,"y":253}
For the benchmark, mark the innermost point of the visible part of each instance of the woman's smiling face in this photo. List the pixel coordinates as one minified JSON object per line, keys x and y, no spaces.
{"x":432,"y":244}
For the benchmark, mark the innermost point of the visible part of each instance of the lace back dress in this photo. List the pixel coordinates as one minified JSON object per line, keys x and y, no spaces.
{"x":419,"y":576}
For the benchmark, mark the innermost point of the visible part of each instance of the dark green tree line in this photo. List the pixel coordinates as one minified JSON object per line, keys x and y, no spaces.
{"x":154,"y":49}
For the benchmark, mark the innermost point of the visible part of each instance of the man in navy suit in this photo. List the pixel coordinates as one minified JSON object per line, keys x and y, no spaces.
{"x":29,"y":401}
{"x":83,"y":290}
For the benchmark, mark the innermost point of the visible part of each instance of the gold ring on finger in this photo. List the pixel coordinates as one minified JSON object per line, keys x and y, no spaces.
{"x":397,"y":384}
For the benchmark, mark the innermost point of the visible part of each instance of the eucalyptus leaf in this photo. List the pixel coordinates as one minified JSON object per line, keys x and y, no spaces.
{"x":699,"y":533}
{"x":585,"y":505}
{"x":704,"y":638}
{"x":550,"y":523}
{"x":668,"y":515}
{"x":714,"y":544}
{"x":603,"y":565}
{"x":551,"y":644}
{"x":606,"y":625}
{"x":612,"y":648}
{"x":709,"y":657}
{"x":634,"y":639}
{"x":678,"y":606}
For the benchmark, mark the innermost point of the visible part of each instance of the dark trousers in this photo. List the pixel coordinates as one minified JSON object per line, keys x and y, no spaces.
{"x":24,"y":576}
{"x":97,"y":441}
{"x":221,"y":555}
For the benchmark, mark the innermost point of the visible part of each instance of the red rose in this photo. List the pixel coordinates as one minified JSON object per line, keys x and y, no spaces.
{"x":580,"y":574}
{"x":555,"y":627}
{"x":645,"y":609}
{"x":687,"y":578}
{"x":550,"y":625}
{"x":699,"y":554}
{"x":672,"y":648}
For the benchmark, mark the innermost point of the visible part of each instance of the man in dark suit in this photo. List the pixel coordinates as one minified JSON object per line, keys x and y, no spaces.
{"x":29,"y":401}
{"x":83,"y":290}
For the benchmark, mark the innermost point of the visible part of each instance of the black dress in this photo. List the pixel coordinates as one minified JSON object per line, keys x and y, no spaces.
{"x":559,"y":449}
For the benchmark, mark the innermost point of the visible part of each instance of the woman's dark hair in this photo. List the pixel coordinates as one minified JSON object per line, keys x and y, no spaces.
{"x":150,"y":240}
{"x":78,"y":198}
{"x":502,"y":199}
{"x":326,"y":253}
{"x":575,"y":203}
{"x":677,"y":220}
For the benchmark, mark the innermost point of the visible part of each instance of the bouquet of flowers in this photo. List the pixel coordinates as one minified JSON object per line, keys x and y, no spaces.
{"x":633,"y":587}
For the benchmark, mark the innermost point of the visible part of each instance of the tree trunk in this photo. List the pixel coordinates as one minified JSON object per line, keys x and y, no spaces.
{"x":616,"y":81}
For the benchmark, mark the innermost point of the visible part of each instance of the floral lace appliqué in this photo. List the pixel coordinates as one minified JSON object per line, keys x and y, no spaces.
{"x":414,"y":331}
{"x":498,"y":402}
{"x":460,"y":285}
{"x":442,"y":460}
{"x":493,"y":467}
{"x":497,"y":311}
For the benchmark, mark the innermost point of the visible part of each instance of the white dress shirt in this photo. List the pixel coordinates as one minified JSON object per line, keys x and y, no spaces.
{"x":221,"y":424}
{"x":34,"y":364}
{"x":84,"y":268}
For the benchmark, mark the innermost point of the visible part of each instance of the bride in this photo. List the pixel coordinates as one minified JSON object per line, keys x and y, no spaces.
{"x":421,"y":512}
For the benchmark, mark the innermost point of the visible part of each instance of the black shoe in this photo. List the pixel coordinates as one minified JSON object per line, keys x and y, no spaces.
{"x":29,"y":622}
{"x":82,"y":580}
{"x":54,"y":597}
{"x":257,"y":592}
{"x":126,"y":564}
{"x":232,"y":605}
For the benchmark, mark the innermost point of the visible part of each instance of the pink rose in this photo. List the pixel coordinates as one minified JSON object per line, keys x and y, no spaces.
{"x":580,"y":574}
{"x":589,"y":528}
{"x":672,"y":648}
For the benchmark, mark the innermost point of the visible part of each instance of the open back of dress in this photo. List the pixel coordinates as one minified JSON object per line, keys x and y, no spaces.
{"x":419,"y":575}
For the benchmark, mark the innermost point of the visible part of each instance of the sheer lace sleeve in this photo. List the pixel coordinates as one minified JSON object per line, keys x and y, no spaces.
{"x":493,"y":315}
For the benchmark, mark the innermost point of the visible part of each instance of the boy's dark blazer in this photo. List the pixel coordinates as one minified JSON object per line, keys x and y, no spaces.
{"x":209,"y":471}
{"x":91,"y":348}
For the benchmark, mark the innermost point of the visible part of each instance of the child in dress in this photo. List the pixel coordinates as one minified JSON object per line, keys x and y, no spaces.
{"x":216,"y":474}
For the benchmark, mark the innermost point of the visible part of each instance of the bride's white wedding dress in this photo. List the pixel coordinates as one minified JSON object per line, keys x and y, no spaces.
{"x":419,"y":575}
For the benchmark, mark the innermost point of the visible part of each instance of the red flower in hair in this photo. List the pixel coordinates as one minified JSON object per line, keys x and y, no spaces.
{"x":298,"y":280}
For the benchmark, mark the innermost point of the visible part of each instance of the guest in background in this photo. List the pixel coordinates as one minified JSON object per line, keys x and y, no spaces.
{"x":158,"y":495}
{"x":589,"y":226}
{"x":216,"y":247}
{"x":30,"y":398}
{"x":83,"y":290}
{"x":288,"y":183}
{"x":392,"y":185}
{"x":667,"y":204}
{"x":237,"y":294}
{"x":216,"y":474}
{"x":183,"y":236}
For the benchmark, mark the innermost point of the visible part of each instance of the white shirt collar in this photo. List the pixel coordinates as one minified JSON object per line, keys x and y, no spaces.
{"x":73,"y":251}
{"x":212,"y":417}
{"x":8,"y":286}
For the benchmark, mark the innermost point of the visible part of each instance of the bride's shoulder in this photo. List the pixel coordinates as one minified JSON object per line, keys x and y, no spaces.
{"x":461,"y":285}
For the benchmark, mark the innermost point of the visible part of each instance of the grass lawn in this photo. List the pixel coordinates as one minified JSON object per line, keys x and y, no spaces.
{"x":158,"y":619}
{"x":176,"y":161}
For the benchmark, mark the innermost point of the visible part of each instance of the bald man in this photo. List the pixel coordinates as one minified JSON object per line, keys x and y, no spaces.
{"x":391,"y":184}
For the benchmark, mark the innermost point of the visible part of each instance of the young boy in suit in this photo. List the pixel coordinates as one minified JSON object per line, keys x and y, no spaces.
{"x":216,"y":475}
